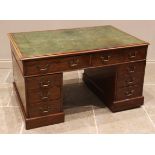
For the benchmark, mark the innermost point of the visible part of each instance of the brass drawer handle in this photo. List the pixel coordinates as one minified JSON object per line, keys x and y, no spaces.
{"x":130,"y":81}
{"x":129,"y":93}
{"x":45,"y":110}
{"x":74,"y":62}
{"x":132,"y":54}
{"x":44,"y":69}
{"x":45,"y":84}
{"x":131,"y":69}
{"x":44,"y":96}
{"x":105,"y":58}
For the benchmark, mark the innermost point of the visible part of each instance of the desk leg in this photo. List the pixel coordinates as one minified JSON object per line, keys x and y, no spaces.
{"x":110,"y":85}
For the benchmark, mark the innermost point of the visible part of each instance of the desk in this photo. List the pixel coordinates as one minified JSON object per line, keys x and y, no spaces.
{"x":113,"y":63}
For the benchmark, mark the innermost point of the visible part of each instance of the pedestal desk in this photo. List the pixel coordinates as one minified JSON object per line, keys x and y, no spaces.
{"x":113,"y":63}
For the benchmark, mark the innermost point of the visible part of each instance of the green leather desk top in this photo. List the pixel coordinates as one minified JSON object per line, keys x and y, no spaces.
{"x":55,"y":42}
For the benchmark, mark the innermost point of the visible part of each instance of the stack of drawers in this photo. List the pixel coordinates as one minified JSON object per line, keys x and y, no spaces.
{"x":44,"y":95}
{"x":129,"y":83}
{"x":40,"y":97}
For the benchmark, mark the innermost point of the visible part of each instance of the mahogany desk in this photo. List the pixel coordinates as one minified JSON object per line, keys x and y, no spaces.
{"x":113,"y":63}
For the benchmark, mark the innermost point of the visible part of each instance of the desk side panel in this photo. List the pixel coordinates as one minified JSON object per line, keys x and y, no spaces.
{"x":14,"y":52}
{"x":19,"y":81}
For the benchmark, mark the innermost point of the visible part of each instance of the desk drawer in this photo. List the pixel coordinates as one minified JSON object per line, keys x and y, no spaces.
{"x":136,"y":69}
{"x":107,"y":58}
{"x":130,"y":74}
{"x":118,"y":56}
{"x":44,"y":81}
{"x":56,"y":65}
{"x":135,"y":53}
{"x":129,"y":80}
{"x":45,"y":108}
{"x":129,"y":92}
{"x":42,"y":95}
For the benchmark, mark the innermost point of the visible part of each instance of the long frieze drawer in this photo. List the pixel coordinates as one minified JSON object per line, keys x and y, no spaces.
{"x":129,"y":92}
{"x":44,"y":81}
{"x":56,"y":64}
{"x":45,"y":108}
{"x":133,"y":69}
{"x":118,"y":56}
{"x":43,"y":95}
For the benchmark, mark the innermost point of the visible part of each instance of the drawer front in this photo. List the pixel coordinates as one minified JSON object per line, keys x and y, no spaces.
{"x":129,"y":80}
{"x":45,"y":108}
{"x":135,"y":53}
{"x":129,"y":92}
{"x":136,"y":70}
{"x":43,"y":95}
{"x":44,"y":82}
{"x":107,"y":58}
{"x":56,"y":65}
{"x":119,"y":56}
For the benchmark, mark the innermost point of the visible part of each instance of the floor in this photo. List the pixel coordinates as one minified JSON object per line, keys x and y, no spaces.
{"x":84,"y":112}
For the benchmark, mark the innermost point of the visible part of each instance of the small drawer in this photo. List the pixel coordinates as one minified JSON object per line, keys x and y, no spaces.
{"x":44,"y":81}
{"x":107,"y":58}
{"x":43,"y":95}
{"x":129,"y":92}
{"x":135,"y":53}
{"x":129,"y":80}
{"x":56,"y":64}
{"x":45,"y":108}
{"x":136,"y":69}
